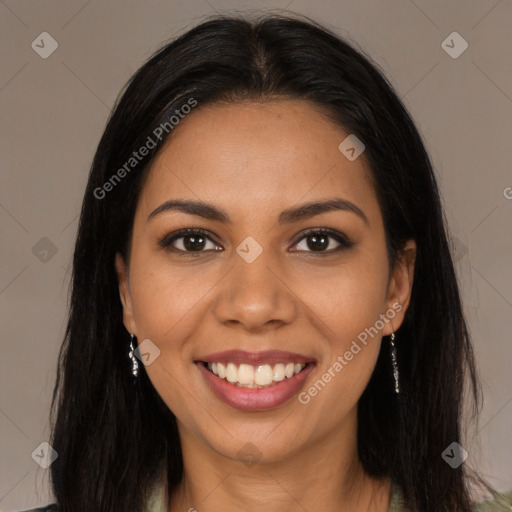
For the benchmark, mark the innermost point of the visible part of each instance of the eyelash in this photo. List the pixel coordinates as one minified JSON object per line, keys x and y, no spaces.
{"x":166,"y":242}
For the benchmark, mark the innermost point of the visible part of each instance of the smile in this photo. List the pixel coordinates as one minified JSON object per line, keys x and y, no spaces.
{"x":260,"y":376}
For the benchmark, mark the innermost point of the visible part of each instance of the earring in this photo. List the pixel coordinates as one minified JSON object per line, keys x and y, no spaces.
{"x":135,"y":364}
{"x":394,"y":362}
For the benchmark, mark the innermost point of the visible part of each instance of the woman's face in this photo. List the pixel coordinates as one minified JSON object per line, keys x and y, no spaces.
{"x":252,"y":281}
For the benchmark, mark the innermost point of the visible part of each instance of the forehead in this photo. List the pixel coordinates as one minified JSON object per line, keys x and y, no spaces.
{"x":256,"y":154}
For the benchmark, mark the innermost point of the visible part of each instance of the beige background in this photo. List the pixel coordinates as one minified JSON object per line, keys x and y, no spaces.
{"x":53,"y":112}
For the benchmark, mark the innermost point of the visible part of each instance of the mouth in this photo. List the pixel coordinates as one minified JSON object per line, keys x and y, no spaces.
{"x":255,"y":381}
{"x":255,"y":377}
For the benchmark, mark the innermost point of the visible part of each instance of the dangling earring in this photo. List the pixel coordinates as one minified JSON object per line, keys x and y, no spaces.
{"x":135,"y":364}
{"x":394,"y":362}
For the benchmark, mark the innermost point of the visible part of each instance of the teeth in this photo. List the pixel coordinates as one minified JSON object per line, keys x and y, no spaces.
{"x":263,"y":376}
{"x":248,"y":376}
{"x":279,"y":372}
{"x":232,"y":373}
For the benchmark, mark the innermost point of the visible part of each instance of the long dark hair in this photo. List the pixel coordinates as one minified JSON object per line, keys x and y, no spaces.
{"x":115,"y":438}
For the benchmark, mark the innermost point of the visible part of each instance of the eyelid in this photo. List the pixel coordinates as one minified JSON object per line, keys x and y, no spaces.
{"x":166,"y":242}
{"x":340,"y":237}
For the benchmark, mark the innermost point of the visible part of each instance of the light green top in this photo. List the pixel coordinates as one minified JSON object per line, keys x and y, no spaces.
{"x":501,"y":503}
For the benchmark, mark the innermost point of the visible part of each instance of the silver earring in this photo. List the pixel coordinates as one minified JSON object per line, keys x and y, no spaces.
{"x":131,"y":354}
{"x":394,"y":362}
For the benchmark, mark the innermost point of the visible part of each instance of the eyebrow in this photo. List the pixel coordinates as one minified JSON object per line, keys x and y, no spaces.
{"x":288,"y":216}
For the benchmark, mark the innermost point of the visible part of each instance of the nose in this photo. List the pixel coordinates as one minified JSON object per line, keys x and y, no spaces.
{"x":255,"y":296}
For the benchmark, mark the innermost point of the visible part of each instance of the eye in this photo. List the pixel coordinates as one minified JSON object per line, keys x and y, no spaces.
{"x":194,"y":242}
{"x":320,"y":241}
{"x":188,"y":241}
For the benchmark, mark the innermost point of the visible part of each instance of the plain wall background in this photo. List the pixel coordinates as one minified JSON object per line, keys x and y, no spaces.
{"x":53,"y":112}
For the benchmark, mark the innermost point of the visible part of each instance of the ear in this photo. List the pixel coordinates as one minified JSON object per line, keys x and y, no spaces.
{"x":125,"y":294}
{"x":400,"y":287}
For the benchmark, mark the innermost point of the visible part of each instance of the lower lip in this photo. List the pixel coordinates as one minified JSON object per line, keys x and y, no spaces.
{"x":255,"y":399}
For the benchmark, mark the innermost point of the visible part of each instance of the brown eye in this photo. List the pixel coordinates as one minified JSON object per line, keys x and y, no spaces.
{"x":188,"y":241}
{"x":195,"y":242}
{"x":320,"y":241}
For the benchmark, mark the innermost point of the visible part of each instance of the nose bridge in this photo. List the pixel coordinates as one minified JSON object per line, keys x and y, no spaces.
{"x":252,"y":294}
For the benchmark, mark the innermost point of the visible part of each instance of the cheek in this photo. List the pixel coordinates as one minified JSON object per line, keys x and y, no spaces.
{"x":165,"y":305}
{"x":164,"y":297}
{"x":351,"y":298}
{"x":350,"y":304}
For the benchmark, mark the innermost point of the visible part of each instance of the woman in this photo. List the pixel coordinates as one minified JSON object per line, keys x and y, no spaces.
{"x":264,"y":310}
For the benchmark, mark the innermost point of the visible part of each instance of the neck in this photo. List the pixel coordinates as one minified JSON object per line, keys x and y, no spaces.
{"x":326,"y":475}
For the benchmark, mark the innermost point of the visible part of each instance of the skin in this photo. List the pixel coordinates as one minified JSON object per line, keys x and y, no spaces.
{"x":255,"y":160}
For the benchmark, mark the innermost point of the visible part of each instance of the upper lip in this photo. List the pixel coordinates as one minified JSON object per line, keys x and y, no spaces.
{"x":255,"y":358}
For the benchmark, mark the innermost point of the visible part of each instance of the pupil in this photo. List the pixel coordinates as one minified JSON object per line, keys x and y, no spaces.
{"x":315,"y":243}
{"x":319,"y":242}
{"x":190,"y":242}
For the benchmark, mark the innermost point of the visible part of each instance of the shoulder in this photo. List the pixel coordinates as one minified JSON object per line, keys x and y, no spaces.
{"x":48,"y":508}
{"x":501,"y":502}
